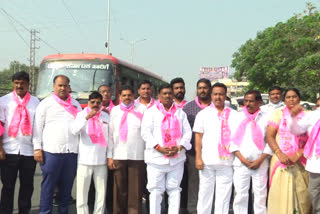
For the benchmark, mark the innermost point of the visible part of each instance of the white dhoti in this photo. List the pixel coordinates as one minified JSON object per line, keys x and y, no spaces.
{"x":219,"y":178}
{"x":241,"y":179}
{"x":84,"y":175}
{"x":164,"y":178}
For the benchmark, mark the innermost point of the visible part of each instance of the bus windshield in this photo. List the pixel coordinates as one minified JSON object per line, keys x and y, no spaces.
{"x":85,"y":76}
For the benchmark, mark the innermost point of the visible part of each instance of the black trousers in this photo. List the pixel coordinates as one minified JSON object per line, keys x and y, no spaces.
{"x":10,"y":167}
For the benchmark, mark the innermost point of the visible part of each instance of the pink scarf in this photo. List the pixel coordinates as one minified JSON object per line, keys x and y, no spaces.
{"x":202,"y":106}
{"x":66,"y":104}
{"x":170,"y":126}
{"x":149,"y":104}
{"x":256,"y":133}
{"x":123,"y":129}
{"x":289,"y":143}
{"x":111,"y":105}
{"x":20,"y":116}
{"x":224,"y":144}
{"x":95,"y":129}
{"x":313,"y":141}
{"x":181,"y":105}
{"x":2,"y":130}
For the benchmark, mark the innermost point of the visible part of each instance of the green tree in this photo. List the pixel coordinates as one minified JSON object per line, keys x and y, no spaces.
{"x":287,"y":55}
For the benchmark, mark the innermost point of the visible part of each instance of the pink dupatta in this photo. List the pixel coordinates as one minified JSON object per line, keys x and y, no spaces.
{"x":289,"y":144}
{"x":202,"y":106}
{"x":111,"y":105}
{"x":66,"y":104}
{"x":2,"y":130}
{"x":225,"y":138}
{"x":181,"y":105}
{"x":256,"y":133}
{"x":95,"y":131}
{"x":150,"y":104}
{"x":21,"y":117}
{"x":123,"y":129}
{"x":313,"y":141}
{"x":170,"y":126}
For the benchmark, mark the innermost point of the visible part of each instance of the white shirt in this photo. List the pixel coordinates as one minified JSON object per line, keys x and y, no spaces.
{"x":52,"y":127}
{"x":21,"y":144}
{"x":248,"y":148}
{"x":134,"y":147}
{"x":148,"y":105}
{"x":271,"y":107}
{"x":89,"y":153}
{"x":208,"y":123}
{"x":151,"y":133}
{"x":301,"y":126}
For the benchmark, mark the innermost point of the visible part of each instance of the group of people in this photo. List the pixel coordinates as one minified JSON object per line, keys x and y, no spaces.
{"x":194,"y":151}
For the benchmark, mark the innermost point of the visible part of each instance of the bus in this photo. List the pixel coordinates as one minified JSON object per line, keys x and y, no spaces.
{"x":88,"y":71}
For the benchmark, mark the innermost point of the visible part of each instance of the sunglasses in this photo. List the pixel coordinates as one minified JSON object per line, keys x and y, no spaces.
{"x":94,"y":101}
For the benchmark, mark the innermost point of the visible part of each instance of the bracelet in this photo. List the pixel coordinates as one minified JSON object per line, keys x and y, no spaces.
{"x":241,"y":159}
{"x":37,"y":151}
{"x":157,"y":147}
{"x":179,"y":148}
{"x":299,"y":154}
{"x":276,"y":150}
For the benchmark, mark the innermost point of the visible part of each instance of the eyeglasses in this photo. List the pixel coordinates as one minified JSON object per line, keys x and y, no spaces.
{"x":94,"y":101}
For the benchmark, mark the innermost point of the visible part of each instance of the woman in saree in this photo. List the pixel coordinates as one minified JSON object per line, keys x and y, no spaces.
{"x":289,"y":180}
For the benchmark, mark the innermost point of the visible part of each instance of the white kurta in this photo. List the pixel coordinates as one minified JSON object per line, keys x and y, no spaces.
{"x":164,"y":174}
{"x":133,"y":148}
{"x":217,"y":172}
{"x":21,"y":144}
{"x":242,"y":174}
{"x":52,"y":127}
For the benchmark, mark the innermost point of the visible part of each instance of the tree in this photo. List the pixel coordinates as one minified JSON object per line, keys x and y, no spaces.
{"x":6,"y":75}
{"x":287,"y":55}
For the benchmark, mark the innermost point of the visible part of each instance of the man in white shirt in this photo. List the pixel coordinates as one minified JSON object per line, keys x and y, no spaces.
{"x":17,"y":110}
{"x":275,"y":100}
{"x":125,"y":153}
{"x":213,"y":129}
{"x":311,"y":123}
{"x":167,"y":133}
{"x":145,"y":94}
{"x":92,"y":125}
{"x":55,"y":147}
{"x":251,"y":153}
{"x":106,"y":93}
{"x":179,"y":90}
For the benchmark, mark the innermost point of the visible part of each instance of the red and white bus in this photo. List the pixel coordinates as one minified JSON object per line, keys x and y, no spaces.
{"x":88,"y":71}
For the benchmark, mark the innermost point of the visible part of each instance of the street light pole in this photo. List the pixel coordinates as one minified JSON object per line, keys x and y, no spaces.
{"x":108,"y":32}
{"x":132,"y":43}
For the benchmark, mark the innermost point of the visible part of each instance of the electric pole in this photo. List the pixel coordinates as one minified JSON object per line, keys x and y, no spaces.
{"x":32,"y":71}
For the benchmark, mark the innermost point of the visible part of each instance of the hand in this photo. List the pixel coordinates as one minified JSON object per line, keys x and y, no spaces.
{"x":283,"y":158}
{"x":111,"y":164}
{"x":294,"y":111}
{"x":199,"y":163}
{"x":38,"y":156}
{"x":2,"y":154}
{"x":294,"y":158}
{"x":92,"y":113}
{"x":246,"y":162}
{"x":255,"y":164}
{"x":168,"y":151}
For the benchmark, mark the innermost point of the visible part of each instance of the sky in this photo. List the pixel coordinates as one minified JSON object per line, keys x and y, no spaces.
{"x":172,"y":38}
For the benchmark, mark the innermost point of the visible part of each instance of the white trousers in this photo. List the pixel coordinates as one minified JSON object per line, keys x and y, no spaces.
{"x":164,"y":178}
{"x":241,"y":179}
{"x":219,"y":178}
{"x":84,"y":175}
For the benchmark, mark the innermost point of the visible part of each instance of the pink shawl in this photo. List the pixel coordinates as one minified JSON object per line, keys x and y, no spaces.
{"x":66,"y":104}
{"x":256,"y":133}
{"x":202,"y":106}
{"x":181,"y":105}
{"x":95,"y":131}
{"x":20,"y":116}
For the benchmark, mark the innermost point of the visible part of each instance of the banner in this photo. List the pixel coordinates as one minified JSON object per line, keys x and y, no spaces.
{"x":214,"y":73}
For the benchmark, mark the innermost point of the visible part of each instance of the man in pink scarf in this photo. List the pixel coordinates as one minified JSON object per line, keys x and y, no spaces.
{"x":213,"y":129}
{"x":126,"y":153}
{"x":190,"y":180}
{"x":145,"y":94}
{"x":179,"y":91}
{"x":17,"y":110}
{"x":311,"y":123}
{"x":92,"y":126}
{"x":252,"y":154}
{"x":55,"y":146}
{"x":167,"y":134}
{"x":106,"y":93}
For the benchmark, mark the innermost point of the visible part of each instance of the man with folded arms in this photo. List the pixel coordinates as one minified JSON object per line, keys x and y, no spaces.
{"x":125,"y":153}
{"x":17,"y":111}
{"x":55,"y":147}
{"x":167,"y":133}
